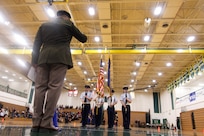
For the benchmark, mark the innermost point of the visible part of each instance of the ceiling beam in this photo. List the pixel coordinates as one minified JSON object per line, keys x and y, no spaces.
{"x":118,"y":20}
{"x":78,"y":51}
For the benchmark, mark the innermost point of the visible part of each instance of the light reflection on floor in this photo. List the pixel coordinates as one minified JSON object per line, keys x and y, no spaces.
{"x":90,"y":131}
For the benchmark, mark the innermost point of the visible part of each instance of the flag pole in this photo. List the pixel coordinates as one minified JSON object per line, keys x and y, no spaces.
{"x":109,"y":80}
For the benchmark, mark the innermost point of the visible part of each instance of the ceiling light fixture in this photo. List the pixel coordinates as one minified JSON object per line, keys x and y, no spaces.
{"x":146,"y":38}
{"x":97,"y":39}
{"x":168,"y":64}
{"x":190,"y":38}
{"x":50,"y":12}
{"x":132,"y":80}
{"x":159,"y":74}
{"x":79,"y":63}
{"x":137,"y":64}
{"x":157,"y":11}
{"x":147,"y":22}
{"x":91,"y":11}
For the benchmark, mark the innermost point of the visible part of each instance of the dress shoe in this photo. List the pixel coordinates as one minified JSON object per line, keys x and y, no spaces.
{"x":127,"y":129}
{"x":49,"y":130}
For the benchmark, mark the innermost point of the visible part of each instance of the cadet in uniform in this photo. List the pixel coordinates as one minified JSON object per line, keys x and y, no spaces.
{"x":86,"y":98}
{"x":126,"y":99}
{"x":111,"y":109}
{"x":98,"y":109}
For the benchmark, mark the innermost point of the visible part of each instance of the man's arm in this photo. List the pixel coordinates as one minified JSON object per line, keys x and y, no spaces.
{"x":36,"y":47}
{"x":121,"y":100}
{"x":130,"y":99}
{"x":78,"y":35}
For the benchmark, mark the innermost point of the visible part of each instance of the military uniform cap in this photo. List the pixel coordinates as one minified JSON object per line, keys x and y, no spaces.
{"x":63,"y":12}
{"x":125,"y":88}
{"x":87,"y":86}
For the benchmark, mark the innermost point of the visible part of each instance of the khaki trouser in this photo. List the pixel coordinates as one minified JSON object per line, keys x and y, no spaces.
{"x":48,"y":85}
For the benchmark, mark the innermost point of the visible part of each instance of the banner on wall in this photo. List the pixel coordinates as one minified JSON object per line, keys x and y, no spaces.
{"x":195,"y":97}
{"x":192,"y":96}
{"x":72,"y":93}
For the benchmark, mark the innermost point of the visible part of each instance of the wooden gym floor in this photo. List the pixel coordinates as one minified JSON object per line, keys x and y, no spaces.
{"x":23,"y":127}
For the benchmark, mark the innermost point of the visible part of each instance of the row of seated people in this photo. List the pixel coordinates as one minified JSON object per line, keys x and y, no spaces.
{"x":14,"y":113}
{"x":66,"y":117}
{"x":69,"y":107}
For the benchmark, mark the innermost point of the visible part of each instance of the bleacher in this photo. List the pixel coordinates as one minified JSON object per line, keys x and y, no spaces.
{"x":193,"y":120}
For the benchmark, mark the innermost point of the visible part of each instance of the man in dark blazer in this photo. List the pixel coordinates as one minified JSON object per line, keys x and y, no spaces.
{"x":51,"y":58}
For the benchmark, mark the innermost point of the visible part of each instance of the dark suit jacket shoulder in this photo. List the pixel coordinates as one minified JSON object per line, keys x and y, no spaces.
{"x":52,"y":42}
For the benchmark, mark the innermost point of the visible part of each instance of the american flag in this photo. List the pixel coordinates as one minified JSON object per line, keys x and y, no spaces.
{"x":100,"y":81}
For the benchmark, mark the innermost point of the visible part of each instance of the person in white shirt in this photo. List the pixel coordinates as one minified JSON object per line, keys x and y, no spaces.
{"x":86,"y":98}
{"x":111,"y":109}
{"x":126,"y":99}
{"x":2,"y":113}
{"x":98,"y":109}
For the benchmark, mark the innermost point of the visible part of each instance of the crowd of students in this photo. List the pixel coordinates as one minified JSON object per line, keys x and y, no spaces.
{"x":15,"y":113}
{"x":68,"y":116}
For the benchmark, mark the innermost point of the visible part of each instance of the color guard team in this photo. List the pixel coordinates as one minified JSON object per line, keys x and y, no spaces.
{"x":86,"y":98}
